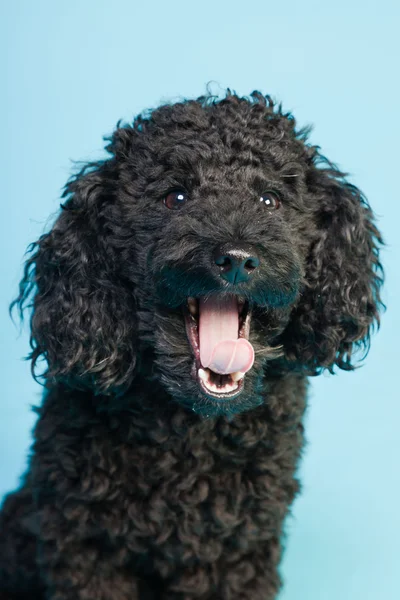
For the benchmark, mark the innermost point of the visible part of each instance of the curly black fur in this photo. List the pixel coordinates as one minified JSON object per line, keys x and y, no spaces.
{"x":140,"y":486}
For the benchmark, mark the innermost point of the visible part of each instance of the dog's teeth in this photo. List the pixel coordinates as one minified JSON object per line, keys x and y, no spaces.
{"x":192,"y":305}
{"x":241,"y":302}
{"x":202,"y":374}
{"x":205,"y":375}
{"x":236,"y":376}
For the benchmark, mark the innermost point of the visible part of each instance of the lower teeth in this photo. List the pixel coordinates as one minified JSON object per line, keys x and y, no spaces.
{"x":205,"y":376}
{"x":237,"y":376}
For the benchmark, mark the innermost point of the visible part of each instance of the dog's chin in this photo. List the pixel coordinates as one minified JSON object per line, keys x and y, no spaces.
{"x":192,"y":396}
{"x":247,"y":399}
{"x":188,"y":393}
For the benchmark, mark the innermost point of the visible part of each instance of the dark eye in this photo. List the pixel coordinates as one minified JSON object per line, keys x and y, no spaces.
{"x":271,"y":199}
{"x":175,"y":199}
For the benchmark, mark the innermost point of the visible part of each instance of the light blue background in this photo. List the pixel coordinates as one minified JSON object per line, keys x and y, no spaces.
{"x":70,"y":69}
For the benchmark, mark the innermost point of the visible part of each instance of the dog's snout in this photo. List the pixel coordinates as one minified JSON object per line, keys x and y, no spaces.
{"x":236,"y":262}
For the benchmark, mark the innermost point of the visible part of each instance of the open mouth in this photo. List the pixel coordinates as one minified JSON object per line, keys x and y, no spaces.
{"x":218,"y":329}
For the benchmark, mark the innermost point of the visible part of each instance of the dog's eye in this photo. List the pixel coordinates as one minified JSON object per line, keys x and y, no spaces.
{"x":271,"y":199}
{"x":175,"y":199}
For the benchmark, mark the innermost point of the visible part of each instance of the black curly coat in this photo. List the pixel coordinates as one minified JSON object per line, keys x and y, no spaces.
{"x":140,"y":485}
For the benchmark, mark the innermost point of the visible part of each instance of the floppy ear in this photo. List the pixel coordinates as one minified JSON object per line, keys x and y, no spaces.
{"x":83,"y":320}
{"x":341,"y":300}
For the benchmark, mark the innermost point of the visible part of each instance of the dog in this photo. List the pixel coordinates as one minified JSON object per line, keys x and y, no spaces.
{"x":193,"y":281}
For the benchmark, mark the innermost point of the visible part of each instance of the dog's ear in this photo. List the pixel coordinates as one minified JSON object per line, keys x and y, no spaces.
{"x":340,"y":302}
{"x":83,"y":321}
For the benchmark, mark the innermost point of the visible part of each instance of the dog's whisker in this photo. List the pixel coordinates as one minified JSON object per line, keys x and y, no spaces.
{"x":271,"y":350}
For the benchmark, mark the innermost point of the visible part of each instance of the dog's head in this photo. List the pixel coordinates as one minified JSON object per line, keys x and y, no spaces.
{"x":213,"y":248}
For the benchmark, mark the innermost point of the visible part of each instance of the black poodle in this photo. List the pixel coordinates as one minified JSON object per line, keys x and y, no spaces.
{"x":191,"y":283}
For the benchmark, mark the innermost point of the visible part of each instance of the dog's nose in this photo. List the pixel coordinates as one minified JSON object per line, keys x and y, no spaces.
{"x":236,"y":262}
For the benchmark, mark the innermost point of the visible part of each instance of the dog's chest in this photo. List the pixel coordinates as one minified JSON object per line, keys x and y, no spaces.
{"x":194,"y":506}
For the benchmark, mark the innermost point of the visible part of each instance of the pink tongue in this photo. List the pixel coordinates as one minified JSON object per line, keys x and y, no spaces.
{"x":220,"y":349}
